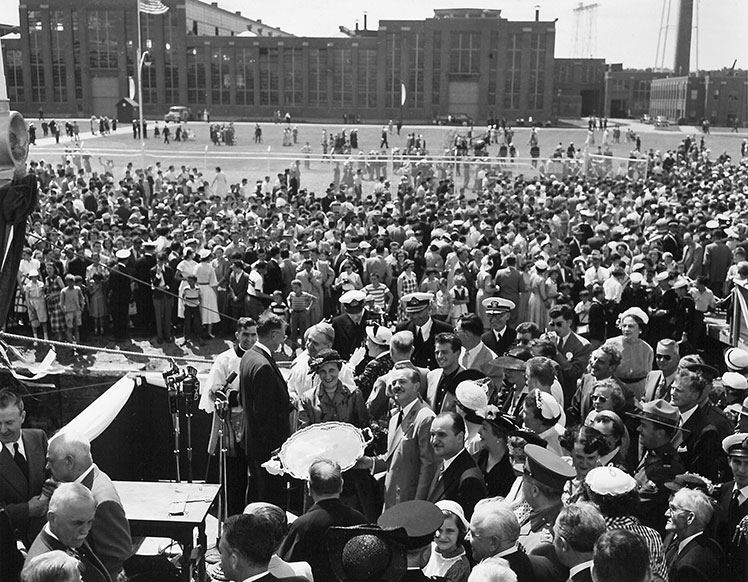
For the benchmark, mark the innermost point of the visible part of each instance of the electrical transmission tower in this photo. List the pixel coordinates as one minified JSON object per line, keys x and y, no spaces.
{"x":584,"y":39}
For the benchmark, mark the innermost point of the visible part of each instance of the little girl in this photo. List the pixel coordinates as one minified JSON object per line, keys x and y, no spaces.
{"x":460,"y":296}
{"x":448,"y":560}
{"x":442,"y":302}
{"x":97,"y":302}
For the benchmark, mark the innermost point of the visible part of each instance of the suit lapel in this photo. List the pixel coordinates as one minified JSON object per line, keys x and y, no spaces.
{"x":37,"y":459}
{"x":12,"y":474}
{"x":403,"y":429}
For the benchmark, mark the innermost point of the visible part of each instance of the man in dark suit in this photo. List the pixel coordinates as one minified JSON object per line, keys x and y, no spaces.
{"x":247,"y":543}
{"x":22,"y":458}
{"x":500,"y":337}
{"x":350,"y":325}
{"x":698,"y":443}
{"x":733,"y":503}
{"x":273,"y":280}
{"x":457,"y":477}
{"x":494,"y":532}
{"x":144,"y":291}
{"x":119,"y":294}
{"x":573,"y":350}
{"x":238,"y":286}
{"x":69,"y":460}
{"x":691,"y":555}
{"x":264,"y":398}
{"x":162,"y":278}
{"x":306,"y":539}
{"x":510,"y":284}
{"x":69,"y":519}
{"x":576,"y":529}
{"x":423,"y":327}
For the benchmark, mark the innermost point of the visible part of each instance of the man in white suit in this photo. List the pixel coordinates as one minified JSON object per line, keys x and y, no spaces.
{"x":409,"y":461}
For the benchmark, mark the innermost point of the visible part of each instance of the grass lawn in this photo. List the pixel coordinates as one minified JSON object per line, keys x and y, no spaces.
{"x":254,"y":161}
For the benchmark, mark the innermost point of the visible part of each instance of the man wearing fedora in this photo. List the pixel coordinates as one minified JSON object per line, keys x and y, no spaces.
{"x":661,"y":463}
{"x":423,"y":327}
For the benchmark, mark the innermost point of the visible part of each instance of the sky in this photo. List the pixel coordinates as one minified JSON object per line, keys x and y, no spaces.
{"x":627,"y":31}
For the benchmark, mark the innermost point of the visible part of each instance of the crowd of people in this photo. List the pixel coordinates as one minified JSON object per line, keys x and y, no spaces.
{"x":532,"y":360}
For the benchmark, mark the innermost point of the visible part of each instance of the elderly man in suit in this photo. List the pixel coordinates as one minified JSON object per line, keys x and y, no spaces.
{"x":265,"y":401}
{"x":501,"y":336}
{"x":576,"y":529}
{"x":69,"y":520}
{"x":475,"y":355}
{"x":423,"y":327}
{"x":690,"y":553}
{"x":247,"y":543}
{"x":573,"y":350}
{"x":733,"y":502}
{"x":22,"y":457}
{"x":69,"y":460}
{"x":457,"y":477}
{"x":510,"y":283}
{"x":409,"y":461}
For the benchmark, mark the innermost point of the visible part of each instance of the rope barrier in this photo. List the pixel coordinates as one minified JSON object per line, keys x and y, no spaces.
{"x":84,"y":347}
{"x":61,"y":390}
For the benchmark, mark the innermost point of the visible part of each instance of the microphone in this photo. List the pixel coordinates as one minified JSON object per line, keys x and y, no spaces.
{"x":230,"y":379}
{"x":222,"y":398}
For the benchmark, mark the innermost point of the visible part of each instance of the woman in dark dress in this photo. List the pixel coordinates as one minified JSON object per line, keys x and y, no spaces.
{"x":493,"y":458}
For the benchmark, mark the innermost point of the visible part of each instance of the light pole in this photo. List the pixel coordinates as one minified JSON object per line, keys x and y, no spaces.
{"x":141,"y":59}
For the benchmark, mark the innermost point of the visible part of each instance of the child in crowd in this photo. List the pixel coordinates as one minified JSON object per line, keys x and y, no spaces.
{"x":460,"y":296}
{"x":379,"y":292}
{"x":299,"y":304}
{"x":442,"y":302}
{"x":192,"y":323}
{"x":72,"y":303}
{"x":97,"y":302}
{"x":448,"y":559}
{"x":277,"y":306}
{"x":582,"y":309}
{"x":33,"y":290}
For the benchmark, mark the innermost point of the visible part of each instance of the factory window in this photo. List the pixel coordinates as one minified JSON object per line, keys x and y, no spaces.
{"x":102,"y":42}
{"x":59,"y":74}
{"x":38,"y":84}
{"x":269,"y":76}
{"x":367,"y":78}
{"x":318,"y":77}
{"x":415,"y":72}
{"x":512,"y":75}
{"x":464,"y":52}
{"x":14,"y":75}
{"x":436,"y":68}
{"x":392,"y":67}
{"x":245,"y":76}
{"x":220,"y":79}
{"x":293,"y":76}
{"x":195,"y":77}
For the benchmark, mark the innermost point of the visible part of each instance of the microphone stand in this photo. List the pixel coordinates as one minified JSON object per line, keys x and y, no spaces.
{"x":223,"y":505}
{"x":174,"y":410}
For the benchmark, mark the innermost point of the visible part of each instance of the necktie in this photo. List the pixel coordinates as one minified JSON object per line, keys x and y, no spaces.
{"x":734,"y":507}
{"x":660,"y":390}
{"x":400,"y":418}
{"x":419,"y":336}
{"x":20,"y":461}
{"x":671,"y":553}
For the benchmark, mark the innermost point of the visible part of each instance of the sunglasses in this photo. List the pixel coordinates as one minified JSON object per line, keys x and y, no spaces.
{"x":555,"y":323}
{"x":599,"y":397}
{"x":663,"y":357}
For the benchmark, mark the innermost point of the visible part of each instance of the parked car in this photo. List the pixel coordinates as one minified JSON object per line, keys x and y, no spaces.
{"x":462,"y":119}
{"x":179,"y":113}
{"x":646,"y":118}
{"x":661,"y":121}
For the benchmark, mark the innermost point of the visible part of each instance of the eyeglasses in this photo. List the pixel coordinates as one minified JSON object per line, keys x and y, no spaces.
{"x":663,"y":357}
{"x":555,"y":323}
{"x":599,"y":397}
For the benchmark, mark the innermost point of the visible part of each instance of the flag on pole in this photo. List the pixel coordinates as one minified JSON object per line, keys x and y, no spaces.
{"x":402,"y":94}
{"x":152,"y":7}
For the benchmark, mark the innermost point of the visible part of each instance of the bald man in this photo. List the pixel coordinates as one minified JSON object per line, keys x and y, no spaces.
{"x":69,"y":460}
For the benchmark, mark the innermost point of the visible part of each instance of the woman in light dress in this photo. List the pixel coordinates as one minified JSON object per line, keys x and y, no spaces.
{"x":207,"y":281}
{"x":537,"y":305}
{"x":485,"y":288}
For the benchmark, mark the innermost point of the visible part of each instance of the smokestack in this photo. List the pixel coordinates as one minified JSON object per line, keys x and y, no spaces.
{"x":365,"y":20}
{"x":356,"y":25}
{"x":683,"y":40}
{"x":537,"y":13}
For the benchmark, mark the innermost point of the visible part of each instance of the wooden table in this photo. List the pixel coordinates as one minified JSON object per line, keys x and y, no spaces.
{"x":171,"y":510}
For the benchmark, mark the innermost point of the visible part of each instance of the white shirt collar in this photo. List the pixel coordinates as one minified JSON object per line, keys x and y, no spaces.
{"x":256,"y":576}
{"x":409,"y":407}
{"x":579,"y":567}
{"x":505,"y":552}
{"x":86,"y":472}
{"x":468,"y":356}
{"x":684,"y":416}
{"x":426,"y":328}
{"x":264,"y":348}
{"x":743,"y":493}
{"x":9,"y":446}
{"x":448,"y":462}
{"x":683,"y":543}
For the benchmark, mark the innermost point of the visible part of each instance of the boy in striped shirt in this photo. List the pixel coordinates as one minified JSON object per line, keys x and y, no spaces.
{"x":299,"y":304}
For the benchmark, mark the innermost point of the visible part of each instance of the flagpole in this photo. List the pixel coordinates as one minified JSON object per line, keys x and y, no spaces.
{"x":140,"y":81}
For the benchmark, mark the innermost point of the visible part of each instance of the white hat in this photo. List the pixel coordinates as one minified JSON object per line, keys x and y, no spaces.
{"x":636,"y":278}
{"x":33,"y":273}
{"x":379,"y":334}
{"x":353,"y":297}
{"x":123,"y":254}
{"x":680,"y":282}
{"x":497,"y":305}
{"x":204,"y":253}
{"x":735,"y":381}
{"x":471,"y":395}
{"x":610,"y":481}
{"x":453,"y":507}
{"x":547,"y":405}
{"x":541,"y":265}
{"x":736,"y":359}
{"x":637,"y":312}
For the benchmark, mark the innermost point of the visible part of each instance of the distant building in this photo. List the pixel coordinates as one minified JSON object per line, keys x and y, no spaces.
{"x":720,"y":98}
{"x":628,"y":91}
{"x":578,"y":86}
{"x":77,"y":58}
